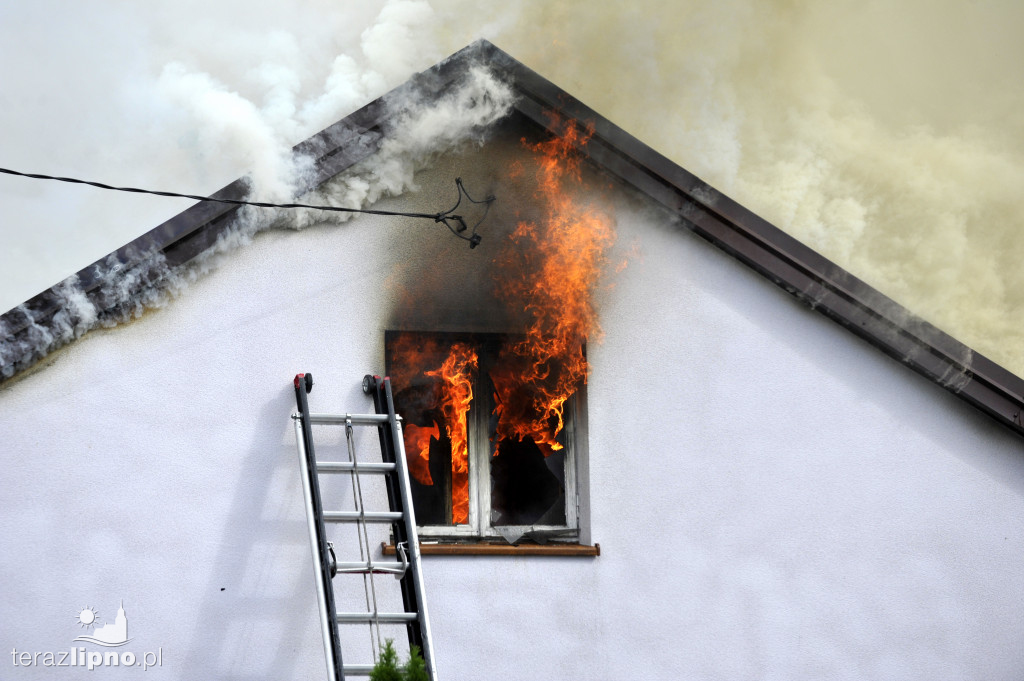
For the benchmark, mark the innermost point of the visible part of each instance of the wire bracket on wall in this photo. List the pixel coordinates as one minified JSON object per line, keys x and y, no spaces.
{"x":454,"y":222}
{"x":449,"y":216}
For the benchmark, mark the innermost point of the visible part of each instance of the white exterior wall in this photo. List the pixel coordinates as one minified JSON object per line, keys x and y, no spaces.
{"x":773,"y":498}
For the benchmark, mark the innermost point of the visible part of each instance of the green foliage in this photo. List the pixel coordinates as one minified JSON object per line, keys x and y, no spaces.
{"x":415,"y":666}
{"x":387,"y":669}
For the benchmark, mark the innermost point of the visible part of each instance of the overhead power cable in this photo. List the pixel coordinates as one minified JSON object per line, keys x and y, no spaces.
{"x":454,"y":222}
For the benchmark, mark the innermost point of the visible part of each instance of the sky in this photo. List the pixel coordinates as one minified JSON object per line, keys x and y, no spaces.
{"x":888,"y":136}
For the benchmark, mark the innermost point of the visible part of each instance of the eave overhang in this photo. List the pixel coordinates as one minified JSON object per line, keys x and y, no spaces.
{"x":805,"y":274}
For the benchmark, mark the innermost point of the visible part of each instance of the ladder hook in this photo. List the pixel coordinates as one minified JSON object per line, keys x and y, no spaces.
{"x":332,"y":566}
{"x":400,"y":549}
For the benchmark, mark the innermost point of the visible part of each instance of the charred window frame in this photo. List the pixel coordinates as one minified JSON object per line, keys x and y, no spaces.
{"x":514,"y":493}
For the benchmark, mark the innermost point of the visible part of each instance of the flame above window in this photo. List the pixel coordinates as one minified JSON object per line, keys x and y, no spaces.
{"x":547,"y":270}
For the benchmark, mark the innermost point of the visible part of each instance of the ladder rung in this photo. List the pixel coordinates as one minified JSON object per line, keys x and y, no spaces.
{"x":341,"y":419}
{"x":382,"y":617}
{"x":348,"y":467}
{"x":389,"y":567}
{"x":357,"y":669}
{"x":368,"y":516}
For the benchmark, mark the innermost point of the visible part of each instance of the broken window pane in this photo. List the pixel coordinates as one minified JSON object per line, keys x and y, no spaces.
{"x":526,"y":487}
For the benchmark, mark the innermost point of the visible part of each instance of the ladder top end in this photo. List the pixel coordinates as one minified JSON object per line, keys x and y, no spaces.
{"x":371,"y":381}
{"x":307,"y":378}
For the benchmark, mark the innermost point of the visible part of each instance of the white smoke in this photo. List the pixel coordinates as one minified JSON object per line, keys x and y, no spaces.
{"x":421,"y":126}
{"x":183,"y":96}
{"x":887,"y":136}
{"x":125,"y":292}
{"x":893,"y":145}
{"x":419,"y":135}
{"x":228,"y":120}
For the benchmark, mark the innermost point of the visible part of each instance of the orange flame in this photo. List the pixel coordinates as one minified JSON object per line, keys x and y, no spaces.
{"x":417,"y":451}
{"x":456,"y":397}
{"x":412,"y":354}
{"x":551,"y":270}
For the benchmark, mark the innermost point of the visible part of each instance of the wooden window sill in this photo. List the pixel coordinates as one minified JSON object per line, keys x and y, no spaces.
{"x":553,"y":549}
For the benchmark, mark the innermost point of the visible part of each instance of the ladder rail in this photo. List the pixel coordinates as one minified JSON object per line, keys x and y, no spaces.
{"x":374,"y":386}
{"x":317,"y":533}
{"x":410,"y":527}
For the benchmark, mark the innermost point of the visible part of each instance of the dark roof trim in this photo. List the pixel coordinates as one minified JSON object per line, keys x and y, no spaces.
{"x":193,"y":231}
{"x":804,"y":273}
{"x":789,"y":264}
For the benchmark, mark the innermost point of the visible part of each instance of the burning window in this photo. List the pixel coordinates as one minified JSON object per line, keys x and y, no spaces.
{"x":488,"y":457}
{"x":492,"y":420}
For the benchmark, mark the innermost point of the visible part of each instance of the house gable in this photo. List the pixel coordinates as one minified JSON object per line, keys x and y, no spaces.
{"x":47,"y":321}
{"x":771,"y":495}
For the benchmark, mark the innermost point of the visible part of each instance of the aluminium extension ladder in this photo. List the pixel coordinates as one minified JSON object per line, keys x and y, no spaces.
{"x":401,"y":516}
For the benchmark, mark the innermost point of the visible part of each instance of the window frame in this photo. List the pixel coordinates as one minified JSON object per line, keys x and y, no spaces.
{"x":480,"y":528}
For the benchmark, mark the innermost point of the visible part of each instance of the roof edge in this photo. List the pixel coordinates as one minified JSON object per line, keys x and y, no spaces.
{"x":804,"y":273}
{"x":808,"y":276}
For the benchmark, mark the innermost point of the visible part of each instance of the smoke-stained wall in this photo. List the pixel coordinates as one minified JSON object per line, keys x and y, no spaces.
{"x":772,"y":496}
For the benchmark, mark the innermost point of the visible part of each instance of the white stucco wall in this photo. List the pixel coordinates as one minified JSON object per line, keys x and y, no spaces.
{"x":773,"y":498}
